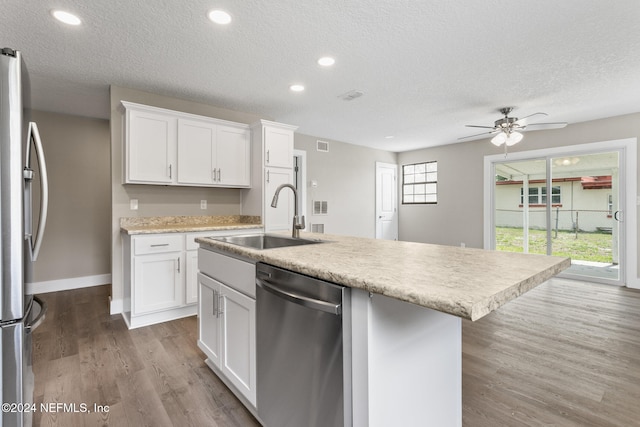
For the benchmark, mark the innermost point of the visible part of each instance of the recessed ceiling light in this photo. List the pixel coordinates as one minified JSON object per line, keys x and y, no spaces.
{"x":66,"y":17}
{"x":326,"y":61}
{"x":220,"y":17}
{"x":296,"y":88}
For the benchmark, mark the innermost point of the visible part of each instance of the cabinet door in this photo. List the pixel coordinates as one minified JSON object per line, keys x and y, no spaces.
{"x":191,"y":278}
{"x":232,"y":156}
{"x":196,"y":152}
{"x":239,"y":341}
{"x":280,"y":218}
{"x":278,"y":146}
{"x":209,"y":320}
{"x":150,"y":148}
{"x":158,"y":282}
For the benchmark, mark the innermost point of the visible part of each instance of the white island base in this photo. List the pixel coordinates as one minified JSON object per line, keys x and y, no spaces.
{"x":406,"y":364}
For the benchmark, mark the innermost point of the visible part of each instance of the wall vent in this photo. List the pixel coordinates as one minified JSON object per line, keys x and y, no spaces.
{"x":322,"y":146}
{"x":317,"y":228}
{"x":351,"y":95}
{"x":320,"y":207}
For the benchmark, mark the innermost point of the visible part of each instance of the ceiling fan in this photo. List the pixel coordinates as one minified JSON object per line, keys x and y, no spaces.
{"x":508,"y":129}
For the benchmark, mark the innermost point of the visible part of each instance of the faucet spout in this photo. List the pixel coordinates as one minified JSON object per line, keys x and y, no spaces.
{"x":298,"y":223}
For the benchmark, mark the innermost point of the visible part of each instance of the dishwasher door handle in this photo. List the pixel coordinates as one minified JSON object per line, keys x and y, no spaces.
{"x":314,"y":304}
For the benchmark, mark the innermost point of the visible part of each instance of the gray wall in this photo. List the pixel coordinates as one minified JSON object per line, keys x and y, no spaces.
{"x":458,"y":216}
{"x":76,"y":241}
{"x":346,"y":177}
{"x":159,"y":200}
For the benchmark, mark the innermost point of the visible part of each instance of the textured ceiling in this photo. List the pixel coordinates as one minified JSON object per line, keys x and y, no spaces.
{"x":426,"y":68}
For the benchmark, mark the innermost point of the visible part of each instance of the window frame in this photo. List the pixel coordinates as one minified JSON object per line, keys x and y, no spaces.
{"x":414,"y":180}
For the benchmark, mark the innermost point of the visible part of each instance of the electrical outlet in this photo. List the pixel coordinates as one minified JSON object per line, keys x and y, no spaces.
{"x":463,"y":245}
{"x":203,"y":204}
{"x":133,"y":204}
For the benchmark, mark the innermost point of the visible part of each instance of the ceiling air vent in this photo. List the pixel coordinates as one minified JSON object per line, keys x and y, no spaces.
{"x":351,"y":95}
{"x":322,"y":146}
{"x":320,"y":207}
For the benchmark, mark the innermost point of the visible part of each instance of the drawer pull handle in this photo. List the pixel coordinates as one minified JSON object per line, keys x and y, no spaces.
{"x":159,"y":245}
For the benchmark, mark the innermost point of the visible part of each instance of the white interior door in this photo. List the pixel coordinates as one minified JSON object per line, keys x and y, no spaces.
{"x":386,"y":201}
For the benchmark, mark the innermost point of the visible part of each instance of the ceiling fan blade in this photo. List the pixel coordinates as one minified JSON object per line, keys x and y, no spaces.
{"x":480,"y":134}
{"x":482,"y":127}
{"x":522,"y":121}
{"x":543,"y":126}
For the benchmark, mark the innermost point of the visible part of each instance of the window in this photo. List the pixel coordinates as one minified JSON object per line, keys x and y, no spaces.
{"x":420,"y":183}
{"x":538,"y":196}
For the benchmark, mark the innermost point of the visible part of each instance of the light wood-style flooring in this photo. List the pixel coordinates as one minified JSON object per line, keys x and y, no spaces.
{"x":565,"y":354}
{"x":152,"y":376}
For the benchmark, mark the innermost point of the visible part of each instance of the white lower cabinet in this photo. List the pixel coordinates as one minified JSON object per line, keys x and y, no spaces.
{"x":161,"y":275}
{"x":158,"y":279}
{"x":191,"y":285}
{"x":227,"y":321}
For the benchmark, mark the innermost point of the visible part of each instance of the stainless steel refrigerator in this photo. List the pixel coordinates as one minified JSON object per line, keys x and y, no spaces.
{"x":21,"y":166}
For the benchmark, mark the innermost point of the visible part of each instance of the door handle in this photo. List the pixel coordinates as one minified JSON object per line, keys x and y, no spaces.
{"x":34,"y":135}
{"x":214,"y":303}
{"x":617,"y":217}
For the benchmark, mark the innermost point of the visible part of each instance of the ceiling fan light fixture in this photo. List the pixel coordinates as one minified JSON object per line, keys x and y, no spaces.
{"x":513,"y":138}
{"x":499,"y":139}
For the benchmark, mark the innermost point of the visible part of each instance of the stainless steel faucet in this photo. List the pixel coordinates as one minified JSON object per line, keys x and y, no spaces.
{"x":298,"y":223}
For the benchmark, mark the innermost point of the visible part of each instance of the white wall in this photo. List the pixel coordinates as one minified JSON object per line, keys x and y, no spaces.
{"x":76,"y":242}
{"x":346,"y":177}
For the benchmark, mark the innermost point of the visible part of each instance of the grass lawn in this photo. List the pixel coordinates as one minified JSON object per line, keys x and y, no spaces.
{"x":587,"y":247}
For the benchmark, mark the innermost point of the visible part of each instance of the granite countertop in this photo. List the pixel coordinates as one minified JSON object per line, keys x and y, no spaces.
{"x":465,"y":282}
{"x":185,"y":224}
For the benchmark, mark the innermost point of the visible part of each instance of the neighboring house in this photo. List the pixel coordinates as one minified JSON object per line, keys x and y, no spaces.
{"x":582,"y":202}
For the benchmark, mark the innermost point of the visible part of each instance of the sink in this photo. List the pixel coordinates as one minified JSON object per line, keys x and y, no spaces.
{"x":266,"y":241}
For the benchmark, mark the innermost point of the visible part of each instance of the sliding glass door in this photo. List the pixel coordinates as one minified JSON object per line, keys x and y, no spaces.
{"x":562,"y":205}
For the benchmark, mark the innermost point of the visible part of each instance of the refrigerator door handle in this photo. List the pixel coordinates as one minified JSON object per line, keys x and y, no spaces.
{"x":34,"y":136}
{"x":40,"y":318}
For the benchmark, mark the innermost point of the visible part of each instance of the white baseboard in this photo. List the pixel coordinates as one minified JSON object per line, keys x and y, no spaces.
{"x":67,"y":284}
{"x":115,"y":306}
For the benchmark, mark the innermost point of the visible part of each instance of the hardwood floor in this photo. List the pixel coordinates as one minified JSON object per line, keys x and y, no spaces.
{"x":565,"y":354}
{"x":151,"y":376}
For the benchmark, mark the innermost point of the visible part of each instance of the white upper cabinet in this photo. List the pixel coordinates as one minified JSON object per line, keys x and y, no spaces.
{"x":172,"y":148}
{"x":278,"y":146}
{"x":196,"y":152}
{"x":150,"y":147}
{"x":233,"y":156}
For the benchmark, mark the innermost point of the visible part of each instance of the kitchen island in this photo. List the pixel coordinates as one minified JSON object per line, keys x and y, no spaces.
{"x":407,"y":301}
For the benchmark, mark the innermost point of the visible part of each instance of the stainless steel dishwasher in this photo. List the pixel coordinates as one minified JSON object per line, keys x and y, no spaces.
{"x":303,"y":350}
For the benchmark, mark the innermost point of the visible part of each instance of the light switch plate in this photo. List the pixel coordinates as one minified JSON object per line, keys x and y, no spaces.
{"x":203,"y":204}
{"x":133,"y":204}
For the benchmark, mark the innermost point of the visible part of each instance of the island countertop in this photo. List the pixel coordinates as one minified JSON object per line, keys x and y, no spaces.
{"x":465,"y":282}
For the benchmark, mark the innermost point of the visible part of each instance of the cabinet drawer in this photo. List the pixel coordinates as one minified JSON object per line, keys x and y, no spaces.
{"x":157,"y":244}
{"x":237,"y":274}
